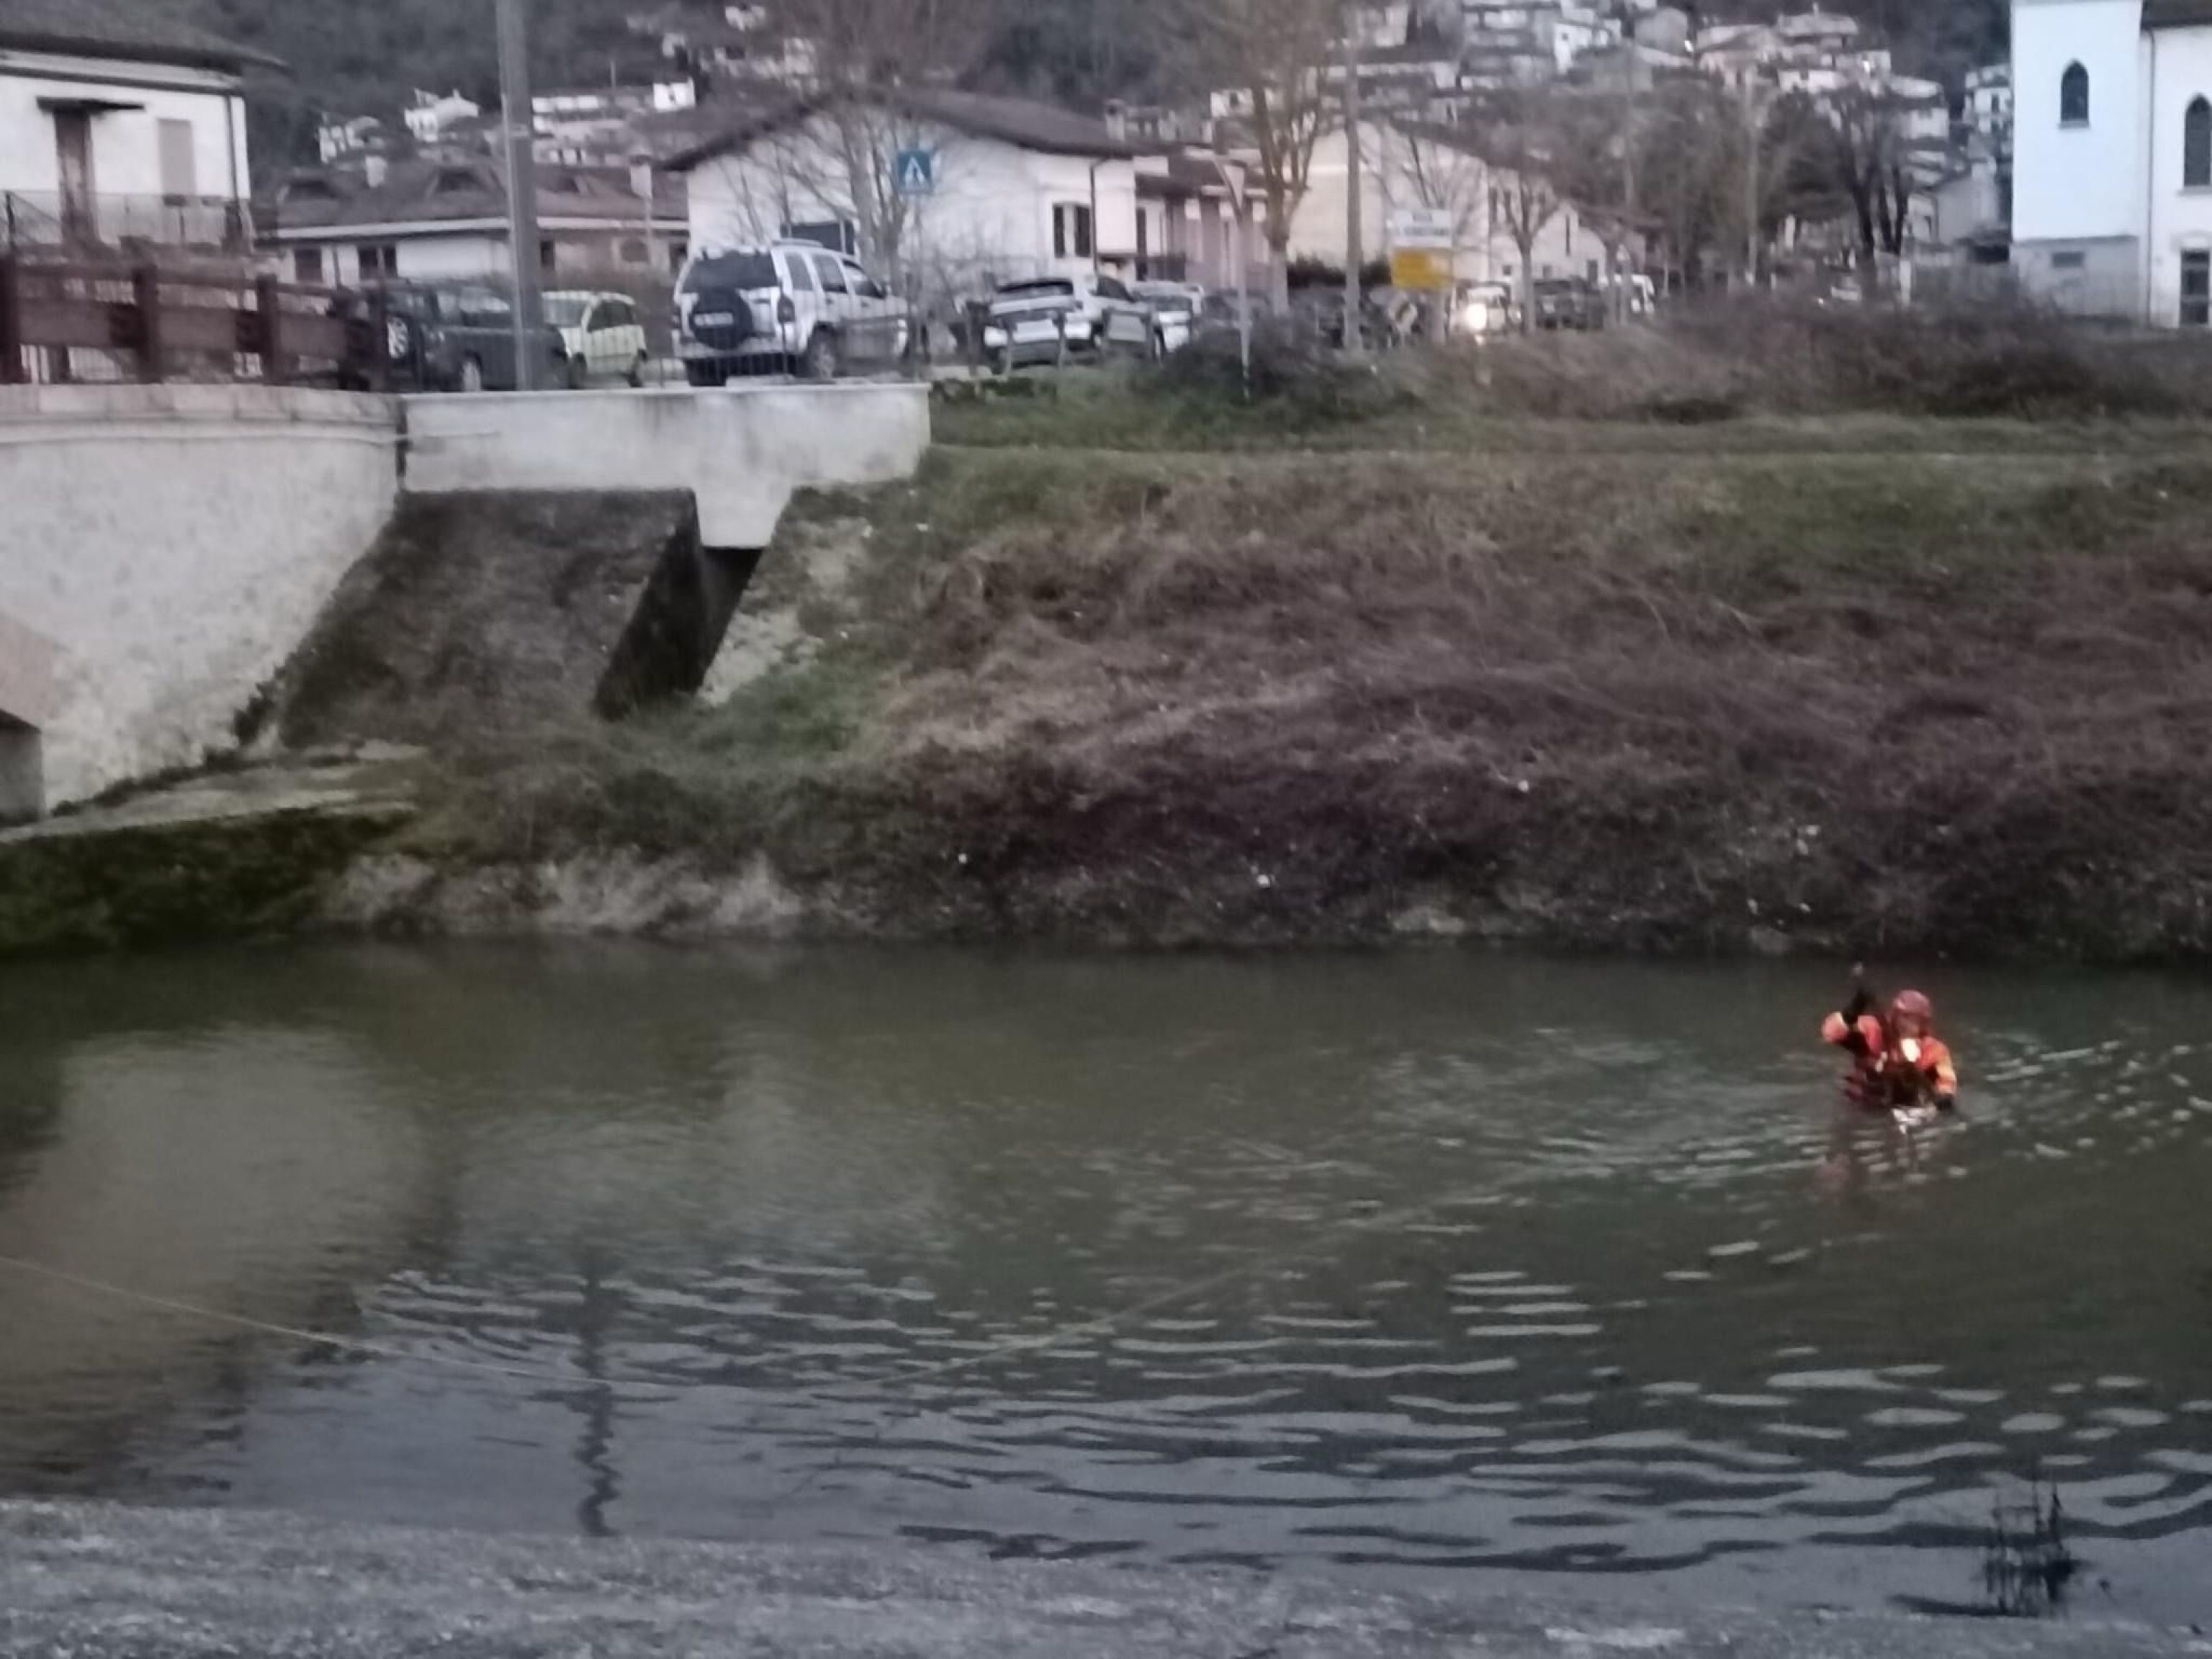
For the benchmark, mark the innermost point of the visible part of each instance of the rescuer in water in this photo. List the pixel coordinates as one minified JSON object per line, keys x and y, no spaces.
{"x":1901,"y":1071}
{"x":1898,"y":1062}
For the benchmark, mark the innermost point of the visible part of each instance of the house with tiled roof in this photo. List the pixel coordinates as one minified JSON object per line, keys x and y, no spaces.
{"x":120,"y":127}
{"x":991,"y":188}
{"x":445,"y":218}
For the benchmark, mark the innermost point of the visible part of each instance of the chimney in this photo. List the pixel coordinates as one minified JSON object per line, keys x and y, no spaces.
{"x":1118,"y":120}
{"x":373,"y":168}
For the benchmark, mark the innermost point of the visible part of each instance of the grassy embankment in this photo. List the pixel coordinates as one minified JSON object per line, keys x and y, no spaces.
{"x":1142,"y":664}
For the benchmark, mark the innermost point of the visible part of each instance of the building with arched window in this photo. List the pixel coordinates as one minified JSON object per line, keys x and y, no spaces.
{"x":2112,"y":156}
{"x":2074,"y":95}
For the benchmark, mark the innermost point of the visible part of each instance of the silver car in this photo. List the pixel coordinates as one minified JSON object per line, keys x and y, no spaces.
{"x":1083,"y":315}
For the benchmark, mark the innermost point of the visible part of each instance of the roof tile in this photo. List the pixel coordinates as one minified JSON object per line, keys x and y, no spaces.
{"x":121,"y":29}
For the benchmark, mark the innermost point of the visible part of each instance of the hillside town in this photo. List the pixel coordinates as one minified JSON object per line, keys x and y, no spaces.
{"x":1616,"y":145}
{"x":1621,"y":145}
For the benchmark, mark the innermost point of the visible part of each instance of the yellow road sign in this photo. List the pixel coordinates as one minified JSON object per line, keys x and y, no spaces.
{"x":1420,"y":268}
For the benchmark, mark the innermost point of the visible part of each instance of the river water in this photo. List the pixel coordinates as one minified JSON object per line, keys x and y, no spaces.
{"x":1412,"y":1268}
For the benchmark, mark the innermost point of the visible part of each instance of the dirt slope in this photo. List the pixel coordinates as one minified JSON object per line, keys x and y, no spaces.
{"x":1850,"y":701}
{"x":503,"y":611}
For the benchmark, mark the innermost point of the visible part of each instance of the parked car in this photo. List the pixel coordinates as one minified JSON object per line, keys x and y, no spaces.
{"x":1177,"y":308}
{"x":455,"y":337}
{"x":1482,"y":309}
{"x":1640,"y":294}
{"x":601,"y":335}
{"x":1841,"y":289}
{"x":1094,"y":311}
{"x":792,"y":307}
{"x":1568,"y":302}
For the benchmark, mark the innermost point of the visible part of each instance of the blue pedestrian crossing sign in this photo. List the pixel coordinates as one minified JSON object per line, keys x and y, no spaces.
{"x":914,"y":173}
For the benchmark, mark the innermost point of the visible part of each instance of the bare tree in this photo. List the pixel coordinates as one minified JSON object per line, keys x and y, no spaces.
{"x":1876,"y":159}
{"x":1527,"y":136}
{"x":1607,"y":180}
{"x":871,"y":44}
{"x":1266,"y":63}
{"x":877,"y":63}
{"x":1695,"y":155}
{"x":1435,"y":167}
{"x":832,"y":161}
{"x":1788,"y":144}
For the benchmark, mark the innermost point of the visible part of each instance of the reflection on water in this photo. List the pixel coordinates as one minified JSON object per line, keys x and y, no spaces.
{"x":1413,"y":1265}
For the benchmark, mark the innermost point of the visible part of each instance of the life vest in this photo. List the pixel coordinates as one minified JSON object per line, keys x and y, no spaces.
{"x":1890,"y":1074}
{"x":1924,"y":1063}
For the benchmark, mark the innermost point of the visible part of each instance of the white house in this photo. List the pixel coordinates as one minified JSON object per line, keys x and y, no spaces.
{"x":2112,"y":156}
{"x":431,"y":114}
{"x":1987,"y":105}
{"x":1411,"y":165}
{"x":1001,"y":188}
{"x":356,"y":135}
{"x":592,"y":126}
{"x":117,"y":122}
{"x":440,"y":220}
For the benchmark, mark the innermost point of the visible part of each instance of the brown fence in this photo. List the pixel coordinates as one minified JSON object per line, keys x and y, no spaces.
{"x":62,"y":321}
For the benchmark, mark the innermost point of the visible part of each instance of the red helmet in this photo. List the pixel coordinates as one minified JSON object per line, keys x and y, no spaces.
{"x":1913,"y":1004}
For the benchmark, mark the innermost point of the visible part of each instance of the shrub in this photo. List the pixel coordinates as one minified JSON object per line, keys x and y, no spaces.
{"x":2003,"y":358}
{"x":1292,"y":372}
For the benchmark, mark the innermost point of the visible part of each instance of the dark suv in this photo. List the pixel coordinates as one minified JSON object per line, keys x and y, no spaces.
{"x":458,"y":338}
{"x":1567,"y":302}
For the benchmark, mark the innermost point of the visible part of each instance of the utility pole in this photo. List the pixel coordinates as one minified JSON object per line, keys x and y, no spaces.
{"x":1354,"y":210}
{"x":519,"y":136}
{"x":641,"y":185}
{"x":1236,"y":189}
{"x":1630,"y":62}
{"x":1755,"y":108}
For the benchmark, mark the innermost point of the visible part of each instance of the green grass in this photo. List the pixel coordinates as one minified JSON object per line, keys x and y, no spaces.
{"x":1105,"y":412}
{"x":1752,"y":381}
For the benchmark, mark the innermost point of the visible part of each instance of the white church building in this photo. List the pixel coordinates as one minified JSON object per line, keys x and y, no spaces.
{"x":2112,"y":156}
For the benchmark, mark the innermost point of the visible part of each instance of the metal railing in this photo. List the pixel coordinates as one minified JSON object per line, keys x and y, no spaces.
{"x":32,"y":220}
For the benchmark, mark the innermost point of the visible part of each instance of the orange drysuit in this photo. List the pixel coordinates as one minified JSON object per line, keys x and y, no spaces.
{"x":1896,"y":1063}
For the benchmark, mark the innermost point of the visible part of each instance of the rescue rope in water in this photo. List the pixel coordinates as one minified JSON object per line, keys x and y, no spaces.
{"x":915,"y":1371}
{"x":361,"y":1345}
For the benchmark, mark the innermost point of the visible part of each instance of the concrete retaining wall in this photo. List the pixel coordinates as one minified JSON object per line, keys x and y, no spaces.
{"x":741,"y":451}
{"x":22,"y":771}
{"x":27,"y":701}
{"x":27,"y":674}
{"x":175,"y":542}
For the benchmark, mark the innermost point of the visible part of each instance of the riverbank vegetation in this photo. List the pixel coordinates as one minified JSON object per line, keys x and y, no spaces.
{"x":1870,"y":682}
{"x":1778,"y":374}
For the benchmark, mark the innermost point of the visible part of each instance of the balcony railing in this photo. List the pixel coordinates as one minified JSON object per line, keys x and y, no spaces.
{"x":32,"y":221}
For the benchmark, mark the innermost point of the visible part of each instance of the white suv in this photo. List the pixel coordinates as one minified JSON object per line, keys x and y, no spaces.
{"x":793,"y":305}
